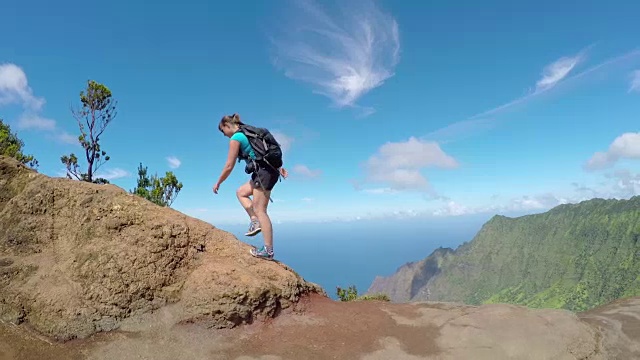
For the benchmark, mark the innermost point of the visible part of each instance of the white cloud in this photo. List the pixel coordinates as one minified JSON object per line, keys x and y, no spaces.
{"x":556,"y":71}
{"x":584,"y":191}
{"x":285,"y":141}
{"x":453,"y":208}
{"x":625,"y":184}
{"x":112,"y":174}
{"x":174,"y":162}
{"x":14,"y":88}
{"x":67,"y":138}
{"x":380,"y":191}
{"x":33,"y":121}
{"x":524,"y":203}
{"x":487,"y":119}
{"x":398,"y":164}
{"x":63,"y":137}
{"x":304,"y":171}
{"x":626,"y":146}
{"x":635,"y":81}
{"x":343,"y":56}
{"x":537,"y":202}
{"x":620,"y":184}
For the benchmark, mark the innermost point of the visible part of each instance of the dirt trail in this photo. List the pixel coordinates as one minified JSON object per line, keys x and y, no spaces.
{"x":619,"y":322}
{"x":321,"y":328}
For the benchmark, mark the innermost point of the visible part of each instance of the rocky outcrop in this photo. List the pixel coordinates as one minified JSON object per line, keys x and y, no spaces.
{"x":78,"y":258}
{"x":410,"y":279}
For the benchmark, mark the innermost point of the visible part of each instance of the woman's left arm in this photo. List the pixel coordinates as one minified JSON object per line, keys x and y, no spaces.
{"x":234,"y":148}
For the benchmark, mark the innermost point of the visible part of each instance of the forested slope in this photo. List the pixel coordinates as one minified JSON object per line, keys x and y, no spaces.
{"x":574,"y":256}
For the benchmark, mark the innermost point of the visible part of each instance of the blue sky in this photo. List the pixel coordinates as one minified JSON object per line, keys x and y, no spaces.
{"x":384,"y":109}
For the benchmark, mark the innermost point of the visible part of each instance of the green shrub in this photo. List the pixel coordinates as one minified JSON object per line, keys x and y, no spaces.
{"x":351,"y":294}
{"x":379,"y":297}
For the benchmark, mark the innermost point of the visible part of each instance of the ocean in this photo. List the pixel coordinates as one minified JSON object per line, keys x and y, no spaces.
{"x":354,"y":253}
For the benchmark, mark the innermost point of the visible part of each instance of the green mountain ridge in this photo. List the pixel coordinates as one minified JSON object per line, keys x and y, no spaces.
{"x":574,"y":257}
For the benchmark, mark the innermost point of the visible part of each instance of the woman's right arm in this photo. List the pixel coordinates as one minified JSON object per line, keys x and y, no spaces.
{"x":232,"y":155}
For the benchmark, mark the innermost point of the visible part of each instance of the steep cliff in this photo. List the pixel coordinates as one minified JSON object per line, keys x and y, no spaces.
{"x":574,"y":257}
{"x":410,"y":279}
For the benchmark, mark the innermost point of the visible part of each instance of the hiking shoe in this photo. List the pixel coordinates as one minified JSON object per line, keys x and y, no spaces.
{"x":254,"y":228}
{"x":262,"y":253}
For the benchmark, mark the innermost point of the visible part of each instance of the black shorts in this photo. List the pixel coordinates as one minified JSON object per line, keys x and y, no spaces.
{"x":265,"y":178}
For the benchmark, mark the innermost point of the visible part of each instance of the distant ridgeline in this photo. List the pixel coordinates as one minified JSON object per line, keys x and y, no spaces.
{"x":574,"y":256}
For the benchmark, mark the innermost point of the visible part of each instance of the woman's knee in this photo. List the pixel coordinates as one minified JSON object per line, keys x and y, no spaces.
{"x":245,"y":190}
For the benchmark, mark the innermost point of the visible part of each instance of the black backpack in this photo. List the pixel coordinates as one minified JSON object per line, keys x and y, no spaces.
{"x":265,"y":146}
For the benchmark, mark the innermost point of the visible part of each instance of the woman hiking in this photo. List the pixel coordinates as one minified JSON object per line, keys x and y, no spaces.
{"x":262,"y":181}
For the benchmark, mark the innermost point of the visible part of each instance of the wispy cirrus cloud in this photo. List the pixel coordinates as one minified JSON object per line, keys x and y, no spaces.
{"x":342,"y":55}
{"x":558,"y":70}
{"x":15,"y":89}
{"x":554,"y":76}
{"x":635,"y":81}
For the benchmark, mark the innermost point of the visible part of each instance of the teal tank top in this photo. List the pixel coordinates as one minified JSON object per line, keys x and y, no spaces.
{"x":245,"y":147}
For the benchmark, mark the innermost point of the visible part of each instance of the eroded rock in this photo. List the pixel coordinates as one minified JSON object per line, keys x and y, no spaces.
{"x":77,"y":258}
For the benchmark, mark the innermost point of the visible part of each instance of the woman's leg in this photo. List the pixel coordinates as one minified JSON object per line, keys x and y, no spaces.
{"x":243,"y":193}
{"x":263,"y":182}
{"x":260,"y":203}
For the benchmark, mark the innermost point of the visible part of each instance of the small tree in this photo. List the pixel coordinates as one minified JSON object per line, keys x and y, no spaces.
{"x":11,"y":146}
{"x":161,"y":191}
{"x":97,"y":111}
{"x":349,"y":294}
